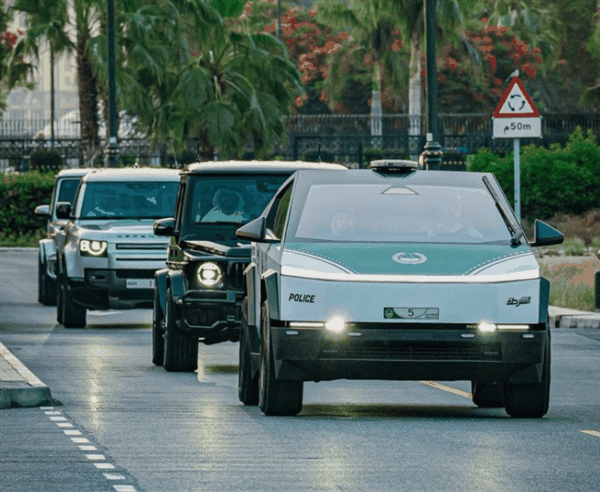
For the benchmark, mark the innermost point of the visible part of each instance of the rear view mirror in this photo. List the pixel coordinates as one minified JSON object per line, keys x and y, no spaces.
{"x":255,"y":230}
{"x":164,"y":227}
{"x":545,"y":235}
{"x":42,"y":211}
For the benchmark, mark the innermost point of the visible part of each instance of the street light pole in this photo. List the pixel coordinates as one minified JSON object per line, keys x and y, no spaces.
{"x":112,"y":149}
{"x":279,"y":20}
{"x":433,"y":150}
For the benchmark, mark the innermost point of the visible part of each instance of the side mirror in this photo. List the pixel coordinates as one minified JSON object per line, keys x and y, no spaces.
{"x":545,"y":235}
{"x":63,"y":210}
{"x":255,"y":230}
{"x":42,"y":211}
{"x":164,"y":227}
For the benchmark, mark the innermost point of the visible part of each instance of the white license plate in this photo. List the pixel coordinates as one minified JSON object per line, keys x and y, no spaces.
{"x":140,"y":283}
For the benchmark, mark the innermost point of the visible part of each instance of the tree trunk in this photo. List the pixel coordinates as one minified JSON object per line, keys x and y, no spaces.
{"x":88,"y":102}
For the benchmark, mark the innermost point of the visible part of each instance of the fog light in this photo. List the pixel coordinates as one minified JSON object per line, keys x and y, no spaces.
{"x":486,"y":327}
{"x":337,"y":324}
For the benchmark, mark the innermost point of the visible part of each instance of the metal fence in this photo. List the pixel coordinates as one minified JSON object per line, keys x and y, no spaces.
{"x":338,"y":138}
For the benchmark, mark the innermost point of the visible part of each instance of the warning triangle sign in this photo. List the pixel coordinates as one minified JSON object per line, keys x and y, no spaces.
{"x":515,"y":102}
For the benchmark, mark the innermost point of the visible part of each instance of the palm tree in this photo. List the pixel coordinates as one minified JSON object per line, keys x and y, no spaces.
{"x":46,"y":21}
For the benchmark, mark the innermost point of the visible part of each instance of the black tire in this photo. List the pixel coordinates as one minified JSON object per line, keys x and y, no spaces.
{"x":73,"y":315}
{"x":59,"y":301}
{"x":276,"y":397}
{"x":180,"y":350}
{"x":488,"y":395}
{"x":158,"y":347}
{"x":247,"y":385}
{"x":46,"y":285}
{"x":530,"y":401}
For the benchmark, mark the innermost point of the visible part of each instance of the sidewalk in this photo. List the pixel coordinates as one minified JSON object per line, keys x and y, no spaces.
{"x":19,"y":387}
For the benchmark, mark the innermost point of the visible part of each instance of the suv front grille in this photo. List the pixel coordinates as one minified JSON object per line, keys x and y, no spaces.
{"x":235,"y":275}
{"x":411,"y":351}
{"x":143,"y":246}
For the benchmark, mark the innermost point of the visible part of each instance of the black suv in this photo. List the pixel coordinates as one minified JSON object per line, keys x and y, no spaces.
{"x":199,"y":296}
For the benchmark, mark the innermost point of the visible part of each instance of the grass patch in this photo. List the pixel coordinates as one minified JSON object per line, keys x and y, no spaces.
{"x":571,"y":246}
{"x":564,"y":292}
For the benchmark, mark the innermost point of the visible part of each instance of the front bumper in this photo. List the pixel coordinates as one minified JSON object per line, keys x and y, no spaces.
{"x":113,"y":289}
{"x":211,"y":315}
{"x":448,"y":354}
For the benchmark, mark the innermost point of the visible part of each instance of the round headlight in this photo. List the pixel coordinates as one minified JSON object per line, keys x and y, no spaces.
{"x":209,"y":274}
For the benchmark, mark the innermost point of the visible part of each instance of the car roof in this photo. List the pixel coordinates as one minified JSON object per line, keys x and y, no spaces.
{"x":72,"y":173}
{"x":258,"y":166}
{"x":128,"y":173}
{"x":368,"y":176}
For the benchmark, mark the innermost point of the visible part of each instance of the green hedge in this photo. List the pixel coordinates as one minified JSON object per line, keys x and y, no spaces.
{"x":553,"y":180}
{"x":19,"y":195}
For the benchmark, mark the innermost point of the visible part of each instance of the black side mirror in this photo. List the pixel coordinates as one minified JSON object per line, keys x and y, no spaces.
{"x":164,"y":227}
{"x":42,"y":211}
{"x":545,"y":235}
{"x":255,"y":230}
{"x":63,"y":210}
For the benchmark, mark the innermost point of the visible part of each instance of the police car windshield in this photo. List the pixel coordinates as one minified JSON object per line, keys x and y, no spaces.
{"x":231,"y":199}
{"x":397,"y":213}
{"x":129,"y":200}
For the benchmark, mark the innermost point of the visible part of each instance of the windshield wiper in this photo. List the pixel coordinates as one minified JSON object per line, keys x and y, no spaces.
{"x":509,"y":218}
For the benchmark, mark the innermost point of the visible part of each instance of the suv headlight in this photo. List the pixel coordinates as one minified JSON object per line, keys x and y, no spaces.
{"x":209,"y":274}
{"x":94,"y":248}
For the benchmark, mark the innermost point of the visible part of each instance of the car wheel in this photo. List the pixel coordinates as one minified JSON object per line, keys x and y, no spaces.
{"x":158,"y":347}
{"x":276,"y":397}
{"x":73,"y":315}
{"x":180,"y":351}
{"x":530,"y":400}
{"x":488,"y":395}
{"x":247,"y":384}
{"x":46,"y":285}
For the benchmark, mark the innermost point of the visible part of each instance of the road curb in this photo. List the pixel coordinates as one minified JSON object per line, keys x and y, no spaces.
{"x":571,"y":318}
{"x":19,"y":387}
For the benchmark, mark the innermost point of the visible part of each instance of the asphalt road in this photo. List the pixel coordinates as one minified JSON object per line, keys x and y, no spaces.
{"x":120,"y":423}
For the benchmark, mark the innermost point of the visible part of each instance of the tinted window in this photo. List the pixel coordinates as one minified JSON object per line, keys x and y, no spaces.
{"x":231,"y":199}
{"x":384,"y":213}
{"x":129,"y":200}
{"x":281,"y":213}
{"x":67,"y":189}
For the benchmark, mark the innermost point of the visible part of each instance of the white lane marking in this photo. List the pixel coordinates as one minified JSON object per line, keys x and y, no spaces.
{"x":448,"y":389}
{"x":113,"y":476}
{"x":78,"y":440}
{"x":64,"y":424}
{"x":50,"y":412}
{"x":104,"y":466}
{"x":72,"y":433}
{"x":591,"y":433}
{"x":97,"y":457}
{"x":46,"y":408}
{"x":88,"y":448}
{"x":104,"y":313}
{"x":57,"y":419}
{"x":125,"y":488}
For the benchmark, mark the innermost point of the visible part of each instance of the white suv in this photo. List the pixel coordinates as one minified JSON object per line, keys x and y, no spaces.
{"x":109,"y":254}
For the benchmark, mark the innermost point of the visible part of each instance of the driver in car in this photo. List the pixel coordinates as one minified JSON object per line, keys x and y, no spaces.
{"x":228,"y":207}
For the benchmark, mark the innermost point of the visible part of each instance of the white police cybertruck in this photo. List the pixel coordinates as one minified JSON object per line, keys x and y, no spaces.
{"x":393,"y":273}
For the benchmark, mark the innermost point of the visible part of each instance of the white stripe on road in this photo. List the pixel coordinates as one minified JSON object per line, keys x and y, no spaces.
{"x":591,"y":433}
{"x":448,"y":389}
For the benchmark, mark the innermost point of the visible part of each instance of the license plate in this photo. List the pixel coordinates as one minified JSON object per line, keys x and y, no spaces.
{"x":411,"y":313}
{"x":140,"y":283}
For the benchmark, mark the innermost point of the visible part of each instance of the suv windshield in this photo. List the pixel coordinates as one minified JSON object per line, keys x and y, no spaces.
{"x":231,"y":199}
{"x":397,"y":213}
{"x":129,"y":200}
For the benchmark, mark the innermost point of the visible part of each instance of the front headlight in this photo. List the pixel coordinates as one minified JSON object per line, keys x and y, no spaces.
{"x":209,"y":274}
{"x":94,"y":248}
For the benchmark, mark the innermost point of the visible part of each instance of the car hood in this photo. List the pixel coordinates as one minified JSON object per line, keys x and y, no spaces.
{"x":122,"y":229}
{"x":238,"y":250}
{"x":410,"y":259}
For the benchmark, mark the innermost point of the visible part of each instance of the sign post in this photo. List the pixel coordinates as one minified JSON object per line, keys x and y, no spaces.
{"x":516,"y":117}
